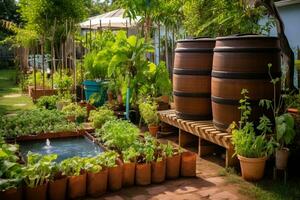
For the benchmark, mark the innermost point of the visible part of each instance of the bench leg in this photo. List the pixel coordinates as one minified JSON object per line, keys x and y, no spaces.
{"x":205,"y":147}
{"x":186,"y":138}
{"x":231,"y":160}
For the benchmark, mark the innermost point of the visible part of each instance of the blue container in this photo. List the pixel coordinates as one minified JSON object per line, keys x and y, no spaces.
{"x":93,"y":87}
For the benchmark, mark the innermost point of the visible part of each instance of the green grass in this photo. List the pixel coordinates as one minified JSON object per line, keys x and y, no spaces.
{"x":8,"y":86}
{"x":266,"y":189}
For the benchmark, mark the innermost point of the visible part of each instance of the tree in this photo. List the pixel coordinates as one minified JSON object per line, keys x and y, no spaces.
{"x":221,"y":17}
{"x":8,"y":15}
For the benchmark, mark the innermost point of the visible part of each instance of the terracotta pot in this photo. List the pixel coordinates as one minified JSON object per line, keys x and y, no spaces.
{"x":71,"y":118}
{"x":120,"y":99}
{"x":115,"y":178}
{"x":153,"y":129}
{"x":128,"y":174}
{"x":143,"y":174}
{"x":282,"y":156}
{"x":11,"y":194}
{"x":76,"y":186}
{"x":39,"y":192}
{"x":97,"y":183}
{"x":173,"y":166}
{"x":164,"y":98}
{"x":188,"y":164}
{"x":158,"y":171}
{"x":57,"y":189}
{"x":252,"y":168}
{"x":110,"y":96}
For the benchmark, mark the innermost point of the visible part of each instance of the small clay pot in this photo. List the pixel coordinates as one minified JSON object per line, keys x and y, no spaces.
{"x":97,"y":183}
{"x":143,"y":174}
{"x":76,"y":186}
{"x":57,"y":189}
{"x":188,"y":164}
{"x":158,"y":171}
{"x":153,"y":129}
{"x":115,"y":177}
{"x":173,"y":166}
{"x":11,"y":194}
{"x":128,"y":174}
{"x":252,"y":168}
{"x":282,"y":156}
{"x":110,"y":96}
{"x":39,"y":192}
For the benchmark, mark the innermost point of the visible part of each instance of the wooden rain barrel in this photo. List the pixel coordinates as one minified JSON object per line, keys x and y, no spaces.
{"x":192,"y":78}
{"x":242,"y":62}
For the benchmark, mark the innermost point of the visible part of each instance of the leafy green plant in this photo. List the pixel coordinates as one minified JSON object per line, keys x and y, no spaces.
{"x":10,"y":170}
{"x":76,"y":111}
{"x":34,"y":122}
{"x":162,"y":80}
{"x":47,"y":102}
{"x":100,"y":116}
{"x":72,"y":166}
{"x":91,"y":165}
{"x":118,"y":134}
{"x":246,"y":142}
{"x":62,"y":81}
{"x":148,"y":112}
{"x":284,"y":123}
{"x":38,"y":169}
{"x":107,"y":159}
{"x":170,"y":150}
{"x":130,"y":155}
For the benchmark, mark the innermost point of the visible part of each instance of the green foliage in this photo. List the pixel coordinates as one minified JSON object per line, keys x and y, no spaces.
{"x":284,"y":123}
{"x":10,"y":169}
{"x":38,"y":169}
{"x":91,"y":165}
{"x":148,"y":112}
{"x":100,"y":116}
{"x":170,"y":150}
{"x":47,"y":102}
{"x":246,"y":142}
{"x":118,"y":134}
{"x":75,"y":110}
{"x":162,"y":80}
{"x":72,"y":166}
{"x":62,"y":81}
{"x":107,"y":159}
{"x":130,"y":155}
{"x":34,"y":122}
{"x":39,"y":80}
{"x":285,"y":132}
{"x":221,"y":17}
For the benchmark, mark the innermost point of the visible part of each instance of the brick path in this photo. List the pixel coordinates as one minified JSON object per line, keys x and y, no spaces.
{"x":207,"y":185}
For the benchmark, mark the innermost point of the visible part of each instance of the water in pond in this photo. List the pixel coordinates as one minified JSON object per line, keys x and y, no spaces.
{"x":64,"y":148}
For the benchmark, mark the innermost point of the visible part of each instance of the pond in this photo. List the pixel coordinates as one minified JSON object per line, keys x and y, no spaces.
{"x":64,"y":147}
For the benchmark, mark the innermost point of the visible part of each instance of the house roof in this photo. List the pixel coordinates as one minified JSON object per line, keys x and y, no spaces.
{"x":112,"y":19}
{"x":286,"y":3}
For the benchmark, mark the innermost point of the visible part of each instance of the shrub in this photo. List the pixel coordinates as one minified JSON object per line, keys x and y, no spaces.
{"x":76,"y":111}
{"x":47,"y":102}
{"x":100,"y":116}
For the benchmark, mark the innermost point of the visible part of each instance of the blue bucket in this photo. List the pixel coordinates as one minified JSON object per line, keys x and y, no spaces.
{"x":93,"y":87}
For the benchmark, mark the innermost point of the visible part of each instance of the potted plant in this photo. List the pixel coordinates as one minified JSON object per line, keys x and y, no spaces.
{"x":36,"y":175}
{"x":158,"y":165}
{"x":163,"y":83}
{"x":118,"y":134}
{"x":75,"y":113}
{"x":148,"y":112}
{"x":115,"y":169}
{"x":129,"y":159}
{"x":188,"y":164}
{"x":143,"y":167}
{"x":57,"y":184}
{"x":11,"y":172}
{"x":173,"y":158}
{"x":100,"y":116}
{"x":74,"y":169}
{"x":252,"y":150}
{"x":97,"y":176}
{"x":284,"y":123}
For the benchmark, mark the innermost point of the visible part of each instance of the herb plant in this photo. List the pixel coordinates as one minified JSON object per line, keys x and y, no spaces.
{"x":130,"y":155}
{"x":246,"y":142}
{"x":10,"y":170}
{"x":47,"y":102}
{"x":38,"y":169}
{"x":76,"y":111}
{"x":100,"y":116}
{"x":118,"y":134}
{"x":72,"y":166}
{"x":148,"y":112}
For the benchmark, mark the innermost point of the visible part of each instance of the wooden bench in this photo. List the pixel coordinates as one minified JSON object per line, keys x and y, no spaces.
{"x":204,"y":131}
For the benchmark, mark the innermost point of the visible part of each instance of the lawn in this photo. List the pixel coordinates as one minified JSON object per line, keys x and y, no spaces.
{"x":11,"y":97}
